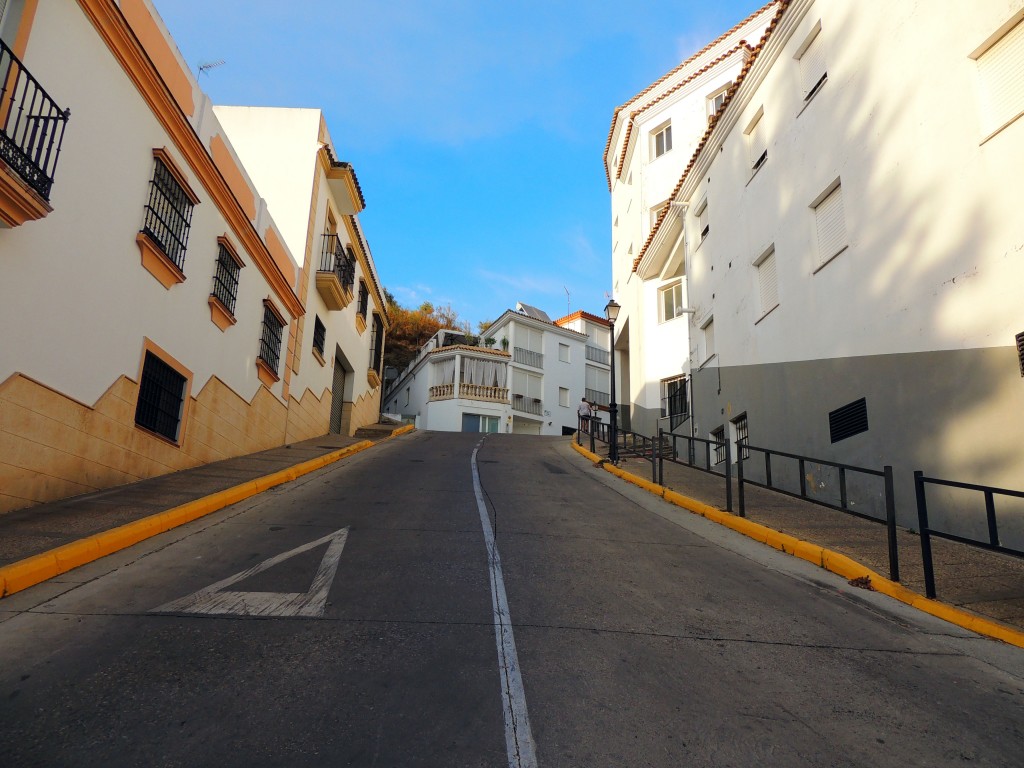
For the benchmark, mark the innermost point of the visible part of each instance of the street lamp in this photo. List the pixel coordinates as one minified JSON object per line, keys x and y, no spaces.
{"x":611,"y":311}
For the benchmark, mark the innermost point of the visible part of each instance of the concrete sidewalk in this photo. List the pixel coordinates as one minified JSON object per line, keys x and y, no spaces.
{"x":45,"y":527}
{"x":984,"y":583}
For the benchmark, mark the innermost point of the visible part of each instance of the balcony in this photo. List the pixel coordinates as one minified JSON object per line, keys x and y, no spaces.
{"x":598,"y":355}
{"x":31,"y":133}
{"x":526,"y":404}
{"x":598,"y":397}
{"x":527,"y":357}
{"x":470,"y":392}
{"x":337,"y":274}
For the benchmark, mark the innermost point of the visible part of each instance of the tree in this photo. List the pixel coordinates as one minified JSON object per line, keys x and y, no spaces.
{"x":412,"y":328}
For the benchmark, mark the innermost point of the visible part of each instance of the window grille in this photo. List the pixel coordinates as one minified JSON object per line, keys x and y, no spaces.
{"x":364,"y":298}
{"x":319,"y":336}
{"x":161,"y":397}
{"x":270,"y":342}
{"x":376,"y":342}
{"x":168,"y":214}
{"x":742,"y":435}
{"x":848,"y":421}
{"x":225,"y":279}
{"x":673,"y":401}
{"x":718,"y":436}
{"x":1020,"y":351}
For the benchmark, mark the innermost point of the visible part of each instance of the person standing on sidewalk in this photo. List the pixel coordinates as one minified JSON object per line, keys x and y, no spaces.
{"x":585,"y":413}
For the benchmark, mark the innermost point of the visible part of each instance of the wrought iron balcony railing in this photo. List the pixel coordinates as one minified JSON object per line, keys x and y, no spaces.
{"x":336,"y":259}
{"x":527,"y":357}
{"x":598,"y":355}
{"x":31,"y":125}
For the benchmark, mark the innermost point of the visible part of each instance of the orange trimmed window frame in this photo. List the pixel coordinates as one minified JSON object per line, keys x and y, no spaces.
{"x":225,"y":284}
{"x":149,"y":347}
{"x":155,"y":258}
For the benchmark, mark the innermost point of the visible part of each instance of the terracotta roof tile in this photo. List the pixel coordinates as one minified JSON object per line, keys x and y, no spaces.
{"x":578,"y":314}
{"x":667,"y":75}
{"x":755,"y":51}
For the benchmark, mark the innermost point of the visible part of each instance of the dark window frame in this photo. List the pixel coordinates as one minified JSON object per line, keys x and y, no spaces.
{"x":319,"y":335}
{"x":272,"y":337}
{"x":364,"y":298}
{"x":226,"y":276}
{"x":160,"y":407}
{"x":718,"y":436}
{"x":168,"y":212}
{"x":742,"y":426}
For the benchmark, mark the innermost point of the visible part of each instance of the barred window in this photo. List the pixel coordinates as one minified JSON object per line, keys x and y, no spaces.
{"x":225,"y":279}
{"x":364,"y":298}
{"x":718,"y":436}
{"x":270,"y":342}
{"x":168,"y":213}
{"x":742,"y":435}
{"x":376,"y":342}
{"x":319,"y":336}
{"x":161,"y":398}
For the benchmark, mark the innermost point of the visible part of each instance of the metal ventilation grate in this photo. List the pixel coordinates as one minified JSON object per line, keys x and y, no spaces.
{"x":1020,"y":351}
{"x":848,"y":421}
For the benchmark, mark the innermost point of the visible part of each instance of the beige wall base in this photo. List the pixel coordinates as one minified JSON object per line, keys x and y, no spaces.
{"x":52,"y":446}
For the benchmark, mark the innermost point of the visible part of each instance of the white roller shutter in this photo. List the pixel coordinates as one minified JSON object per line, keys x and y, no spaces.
{"x":758,"y":143}
{"x":1001,"y":69}
{"x":812,"y":65}
{"x":768,"y":281}
{"x":831,"y":225}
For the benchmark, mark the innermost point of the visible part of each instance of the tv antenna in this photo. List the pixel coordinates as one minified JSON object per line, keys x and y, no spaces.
{"x":206,"y":66}
{"x":568,"y":302}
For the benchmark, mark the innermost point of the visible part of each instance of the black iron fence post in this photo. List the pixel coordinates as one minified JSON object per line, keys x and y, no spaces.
{"x":739,"y":483}
{"x":728,"y":476}
{"x":655,"y":444}
{"x":990,"y":514}
{"x":890,"y":522}
{"x":593,"y":429}
{"x":926,"y":543}
{"x":661,"y":458}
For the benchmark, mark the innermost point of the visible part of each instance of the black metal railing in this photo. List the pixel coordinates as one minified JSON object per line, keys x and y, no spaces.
{"x":528,"y":357}
{"x":364,"y":299}
{"x":598,"y":397}
{"x":696,"y":458}
{"x":526,"y":404}
{"x":225,"y":279}
{"x":270,"y":340}
{"x":335,"y":258}
{"x":168,"y":214}
{"x":598,"y":355}
{"x":843,"y":504}
{"x":31,"y":125}
{"x":994,"y":544}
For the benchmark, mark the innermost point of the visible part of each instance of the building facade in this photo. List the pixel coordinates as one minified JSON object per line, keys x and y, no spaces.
{"x":853,"y":242}
{"x":155,"y":308}
{"x":652,"y":137}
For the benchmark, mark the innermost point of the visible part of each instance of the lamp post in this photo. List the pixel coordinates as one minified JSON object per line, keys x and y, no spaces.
{"x":611,"y":311}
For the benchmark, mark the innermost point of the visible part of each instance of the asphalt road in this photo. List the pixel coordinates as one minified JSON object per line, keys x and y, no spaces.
{"x":631,"y":634}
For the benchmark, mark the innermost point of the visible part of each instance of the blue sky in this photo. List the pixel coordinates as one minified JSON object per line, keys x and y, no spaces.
{"x":476,"y":128}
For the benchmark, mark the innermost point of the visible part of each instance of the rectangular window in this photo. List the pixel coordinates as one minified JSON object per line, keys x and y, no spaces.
{"x":168,"y":213}
{"x":702,"y":219}
{"x":673,"y":401}
{"x":741,"y":435}
{"x":1001,"y":75}
{"x":563,"y":352}
{"x":364,"y":298}
{"x":757,"y":146}
{"x":161,"y":398}
{"x":376,"y":342}
{"x":813,"y":72}
{"x":671,"y":301}
{"x":597,"y":385}
{"x":718,"y":437}
{"x":717,"y":100}
{"x":319,"y":336}
{"x":563,"y":397}
{"x":662,"y":140}
{"x":1019,"y":338}
{"x":831,"y":224}
{"x":848,"y":421}
{"x":270,"y":341}
{"x":225,"y":279}
{"x":709,"y":340}
{"x":767,"y":281}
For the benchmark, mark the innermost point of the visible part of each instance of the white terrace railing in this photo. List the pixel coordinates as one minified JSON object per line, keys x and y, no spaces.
{"x":470,"y":392}
{"x":442,"y":392}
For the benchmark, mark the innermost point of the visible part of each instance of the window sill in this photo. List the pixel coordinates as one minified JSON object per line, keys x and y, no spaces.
{"x":268,"y":376}
{"x":157,"y":263}
{"x":765,"y":314}
{"x":161,"y":438}
{"x":755,"y":171}
{"x":360,"y":324}
{"x":1000,"y":129}
{"x":812,"y":95}
{"x":828,"y":261}
{"x":319,"y":357}
{"x":372,"y":378}
{"x":708,"y":360}
{"x":220,"y":315}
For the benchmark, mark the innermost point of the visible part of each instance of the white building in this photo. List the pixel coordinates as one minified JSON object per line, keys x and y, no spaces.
{"x":651,"y":139}
{"x":853,"y":245}
{"x":530,"y":381}
{"x":157,"y":315}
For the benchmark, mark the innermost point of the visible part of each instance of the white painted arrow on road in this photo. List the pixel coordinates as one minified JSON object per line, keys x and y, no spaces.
{"x":217,"y":600}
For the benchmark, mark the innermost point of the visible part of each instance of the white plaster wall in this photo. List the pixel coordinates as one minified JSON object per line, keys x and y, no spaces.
{"x":932,"y":213}
{"x":73,"y":283}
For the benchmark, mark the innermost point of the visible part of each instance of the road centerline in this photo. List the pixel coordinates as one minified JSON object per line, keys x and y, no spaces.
{"x":518,"y":735}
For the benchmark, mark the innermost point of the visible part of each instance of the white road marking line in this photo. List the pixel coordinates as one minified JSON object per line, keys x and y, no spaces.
{"x":518,"y":736}
{"x":215,"y":600}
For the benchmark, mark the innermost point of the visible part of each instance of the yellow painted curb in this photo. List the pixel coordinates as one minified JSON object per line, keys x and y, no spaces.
{"x":39,"y":568}
{"x":838,"y":564}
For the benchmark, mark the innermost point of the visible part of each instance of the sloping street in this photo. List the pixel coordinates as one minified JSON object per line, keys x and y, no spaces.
{"x":446,"y":599}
